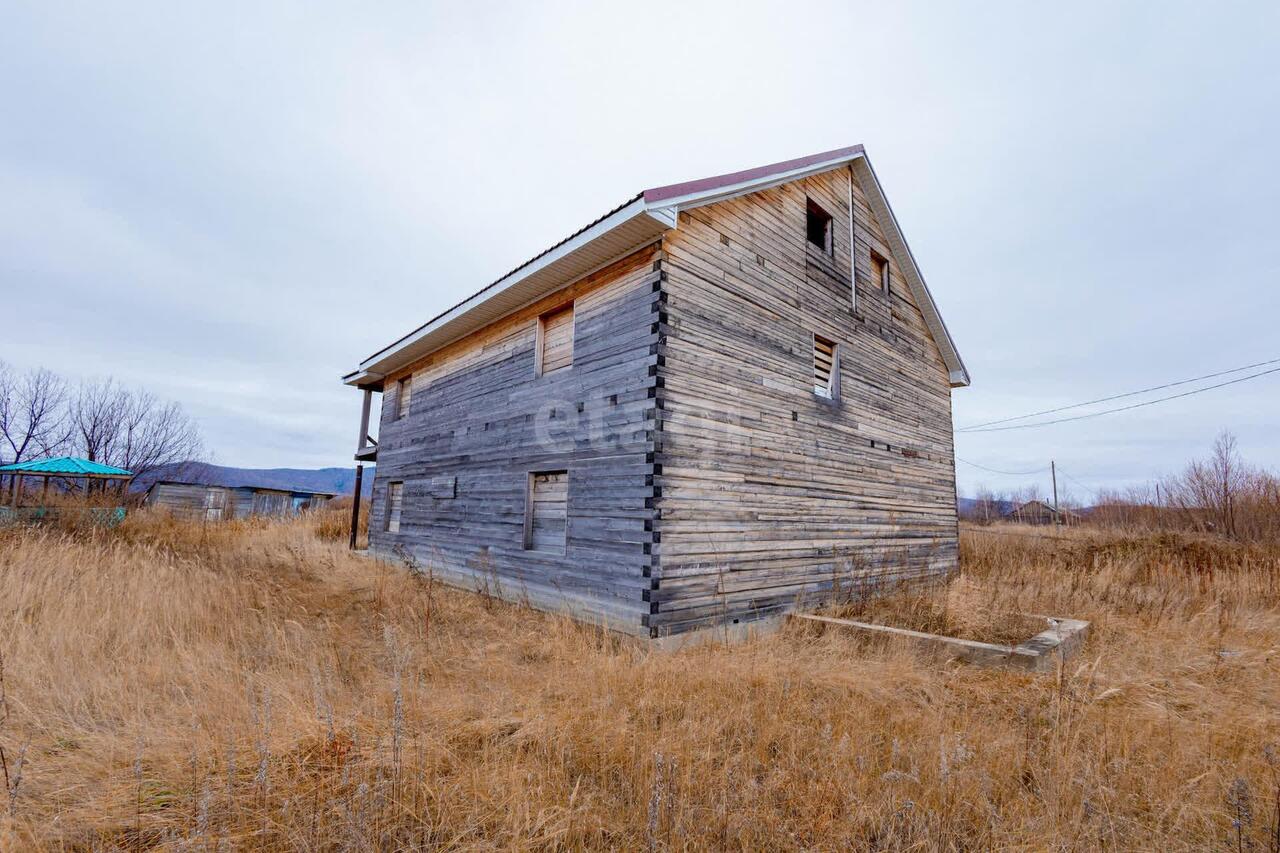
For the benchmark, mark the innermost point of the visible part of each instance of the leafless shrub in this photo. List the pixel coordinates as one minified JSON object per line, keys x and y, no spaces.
{"x":12,"y":775}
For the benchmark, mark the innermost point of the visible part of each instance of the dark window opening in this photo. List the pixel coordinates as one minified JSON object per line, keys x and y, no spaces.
{"x":818,"y":226}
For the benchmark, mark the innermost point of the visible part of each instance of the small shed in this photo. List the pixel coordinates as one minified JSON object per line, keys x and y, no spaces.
{"x":1039,"y":512}
{"x":216,"y":502}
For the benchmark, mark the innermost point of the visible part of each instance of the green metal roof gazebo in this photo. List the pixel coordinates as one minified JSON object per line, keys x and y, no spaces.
{"x":69,"y":467}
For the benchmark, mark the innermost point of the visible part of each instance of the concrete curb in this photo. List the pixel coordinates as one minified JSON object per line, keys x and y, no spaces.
{"x":1040,"y":653}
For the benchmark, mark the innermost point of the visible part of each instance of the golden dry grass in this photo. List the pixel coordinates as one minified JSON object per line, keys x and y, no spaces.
{"x":254,"y":686}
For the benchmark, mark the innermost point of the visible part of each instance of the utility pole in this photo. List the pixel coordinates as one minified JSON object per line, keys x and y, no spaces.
{"x":1053,"y":470}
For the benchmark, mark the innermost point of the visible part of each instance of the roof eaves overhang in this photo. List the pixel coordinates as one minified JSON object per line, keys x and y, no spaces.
{"x":616,"y":235}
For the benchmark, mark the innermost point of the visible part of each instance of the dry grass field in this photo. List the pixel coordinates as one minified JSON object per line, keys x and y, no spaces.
{"x":255,"y":686}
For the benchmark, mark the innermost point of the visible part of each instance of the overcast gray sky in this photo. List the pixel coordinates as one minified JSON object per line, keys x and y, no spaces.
{"x":233,"y":206}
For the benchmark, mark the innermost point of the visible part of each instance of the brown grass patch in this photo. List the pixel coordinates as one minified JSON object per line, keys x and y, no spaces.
{"x":255,"y":686}
{"x":960,"y":608}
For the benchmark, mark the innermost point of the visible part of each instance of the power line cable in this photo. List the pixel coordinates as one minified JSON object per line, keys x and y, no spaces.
{"x":1125,"y":408}
{"x":1077,"y":482}
{"x":1007,"y":473}
{"x":976,"y":427}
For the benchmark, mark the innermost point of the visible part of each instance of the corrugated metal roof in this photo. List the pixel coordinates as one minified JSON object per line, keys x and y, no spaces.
{"x":702,"y":185}
{"x":71,"y":466}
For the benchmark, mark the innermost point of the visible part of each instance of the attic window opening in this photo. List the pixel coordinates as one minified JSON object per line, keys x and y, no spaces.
{"x":880,"y":271}
{"x":826,"y":368}
{"x":818,"y":226}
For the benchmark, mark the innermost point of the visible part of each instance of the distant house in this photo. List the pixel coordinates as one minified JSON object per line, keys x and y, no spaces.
{"x":219,"y":502}
{"x":697,"y":410}
{"x":1039,"y":512}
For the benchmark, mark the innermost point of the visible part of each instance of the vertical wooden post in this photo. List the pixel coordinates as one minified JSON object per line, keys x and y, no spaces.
{"x":361,"y":443}
{"x":17,"y":490}
{"x":355,"y":502}
{"x":44,"y":492}
{"x":1053,"y":471}
{"x":853,"y":250}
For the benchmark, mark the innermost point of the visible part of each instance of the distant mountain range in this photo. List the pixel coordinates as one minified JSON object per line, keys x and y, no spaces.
{"x":338,"y":481}
{"x":970,"y":505}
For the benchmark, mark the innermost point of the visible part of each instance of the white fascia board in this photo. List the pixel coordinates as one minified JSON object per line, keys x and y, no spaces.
{"x":361,"y":377}
{"x":663,"y":218}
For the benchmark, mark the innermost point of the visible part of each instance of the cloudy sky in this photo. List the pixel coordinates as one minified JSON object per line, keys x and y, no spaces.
{"x":233,"y":207}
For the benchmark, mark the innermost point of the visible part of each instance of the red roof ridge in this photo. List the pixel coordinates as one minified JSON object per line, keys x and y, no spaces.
{"x":716,"y":182}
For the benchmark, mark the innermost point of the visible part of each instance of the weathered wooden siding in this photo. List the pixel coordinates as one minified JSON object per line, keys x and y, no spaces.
{"x":189,"y":500}
{"x":481,"y":420}
{"x":767,"y":491}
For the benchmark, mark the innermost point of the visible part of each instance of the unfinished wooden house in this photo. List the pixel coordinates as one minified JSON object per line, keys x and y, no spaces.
{"x":723,"y":399}
{"x":214,"y":502}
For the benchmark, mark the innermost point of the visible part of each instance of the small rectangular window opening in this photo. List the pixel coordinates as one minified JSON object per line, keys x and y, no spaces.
{"x":818,"y":226}
{"x":826,"y":368}
{"x":880,"y":271}
{"x":395,"y":503}
{"x":404,"y":395}
{"x":546,"y":511}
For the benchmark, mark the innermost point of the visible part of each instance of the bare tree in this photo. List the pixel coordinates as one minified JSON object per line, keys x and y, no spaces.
{"x":1211,"y":486}
{"x":1228,"y":476}
{"x":131,"y":429}
{"x":33,"y":414}
{"x":986,"y":507}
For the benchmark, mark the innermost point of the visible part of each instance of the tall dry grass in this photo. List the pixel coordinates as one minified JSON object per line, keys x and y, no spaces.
{"x":253,"y":686}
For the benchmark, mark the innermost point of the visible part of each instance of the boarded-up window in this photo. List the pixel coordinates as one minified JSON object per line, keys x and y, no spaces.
{"x":395,"y":502}
{"x":546,"y":511}
{"x":270,"y":503}
{"x":826,"y":368}
{"x":880,"y":271}
{"x":404,"y":396}
{"x":555,"y":340}
{"x":215,"y":504}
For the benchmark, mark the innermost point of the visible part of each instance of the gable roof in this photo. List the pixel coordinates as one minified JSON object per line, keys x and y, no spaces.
{"x":632,"y":225}
{"x":69,"y":466}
